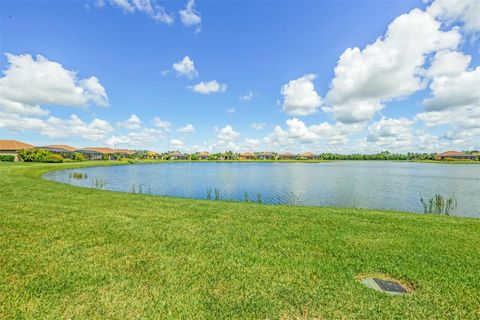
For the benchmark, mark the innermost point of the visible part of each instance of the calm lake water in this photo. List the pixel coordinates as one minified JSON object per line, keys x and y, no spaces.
{"x":362,"y":184}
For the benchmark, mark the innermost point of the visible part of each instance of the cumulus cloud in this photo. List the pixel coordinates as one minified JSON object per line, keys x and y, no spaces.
{"x":162,"y":124}
{"x":149,"y":7}
{"x":227,"y":133}
{"x":28,"y":83}
{"x":448,"y":63}
{"x":466,"y":12}
{"x":188,"y":129}
{"x":455,"y":91}
{"x":190,"y":16}
{"x":209,"y":87}
{"x":252,"y":143}
{"x":391,"y":133}
{"x":455,"y":98}
{"x":298,"y":132}
{"x":55,"y":127}
{"x":258,"y":125}
{"x":185,"y":68}
{"x":133,"y":122}
{"x":387,"y":69}
{"x":247,"y":96}
{"x":177,"y":143}
{"x":300,"y":97}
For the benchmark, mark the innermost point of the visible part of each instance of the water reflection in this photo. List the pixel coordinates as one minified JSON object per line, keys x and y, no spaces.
{"x":362,"y":184}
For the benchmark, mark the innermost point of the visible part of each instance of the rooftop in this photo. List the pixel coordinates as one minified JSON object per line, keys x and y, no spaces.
{"x":61,"y":146}
{"x":14,"y":145}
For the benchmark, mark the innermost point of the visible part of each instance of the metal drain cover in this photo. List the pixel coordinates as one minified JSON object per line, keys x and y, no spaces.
{"x":387,"y":286}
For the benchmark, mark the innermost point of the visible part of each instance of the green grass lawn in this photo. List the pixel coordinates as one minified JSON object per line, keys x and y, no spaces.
{"x":70,"y":252}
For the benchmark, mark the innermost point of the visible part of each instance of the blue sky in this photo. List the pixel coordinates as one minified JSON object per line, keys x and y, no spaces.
{"x":323,"y":76}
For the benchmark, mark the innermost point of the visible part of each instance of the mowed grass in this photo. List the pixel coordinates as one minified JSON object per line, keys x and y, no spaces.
{"x":77,"y":253}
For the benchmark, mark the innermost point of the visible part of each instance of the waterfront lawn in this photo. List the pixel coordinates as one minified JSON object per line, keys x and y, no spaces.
{"x":69,"y":252}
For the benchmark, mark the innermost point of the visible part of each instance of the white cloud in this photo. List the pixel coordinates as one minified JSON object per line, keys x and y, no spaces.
{"x":55,"y":127}
{"x":190,"y":16}
{"x":29,"y":83}
{"x":161,"y":124}
{"x":464,"y":11}
{"x":252,"y":143}
{"x":185,"y":67}
{"x":149,"y":7}
{"x":387,"y":69}
{"x":227,"y":133}
{"x":448,"y":63}
{"x":298,"y":132}
{"x":133,"y":122}
{"x":390,"y":132}
{"x":209,"y":87}
{"x":177,"y":143}
{"x":188,"y":129}
{"x":455,"y":91}
{"x":248,"y":96}
{"x":258,"y":125}
{"x":231,"y":110}
{"x":300,"y":97}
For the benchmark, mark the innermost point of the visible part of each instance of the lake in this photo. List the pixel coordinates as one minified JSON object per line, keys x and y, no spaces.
{"x":361,"y":184}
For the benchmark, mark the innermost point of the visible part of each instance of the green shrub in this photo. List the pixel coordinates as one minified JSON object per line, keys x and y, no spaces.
{"x":53,"y":158}
{"x":77,"y":156}
{"x":6,"y":158}
{"x":33,"y":155}
{"x":105,"y":156}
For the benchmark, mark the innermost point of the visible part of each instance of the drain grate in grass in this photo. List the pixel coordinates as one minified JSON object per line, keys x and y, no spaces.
{"x":386,"y":286}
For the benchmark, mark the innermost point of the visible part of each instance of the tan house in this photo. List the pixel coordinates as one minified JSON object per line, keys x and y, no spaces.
{"x":152,"y":155}
{"x":94,"y":153}
{"x":177,"y":156}
{"x":11,"y":147}
{"x":286,"y":156}
{"x":306,"y":156}
{"x":124,"y":152}
{"x":455,"y":155}
{"x":61,"y":149}
{"x":266,"y":156}
{"x":203,"y":155}
{"x":247,"y":156}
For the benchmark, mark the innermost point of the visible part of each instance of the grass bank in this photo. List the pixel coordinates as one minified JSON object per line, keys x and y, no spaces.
{"x":69,"y":252}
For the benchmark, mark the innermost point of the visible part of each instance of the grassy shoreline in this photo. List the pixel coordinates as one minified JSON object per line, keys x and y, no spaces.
{"x":70,"y":252}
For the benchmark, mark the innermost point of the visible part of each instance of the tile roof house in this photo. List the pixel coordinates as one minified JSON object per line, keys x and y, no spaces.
{"x":307,"y":156}
{"x":455,"y":155}
{"x":266,"y":156}
{"x":59,"y":148}
{"x":203,"y":155}
{"x":286,"y":156}
{"x":177,"y":156}
{"x":247,"y":156}
{"x":98,"y":153}
{"x":11,"y":147}
{"x":64,"y":150}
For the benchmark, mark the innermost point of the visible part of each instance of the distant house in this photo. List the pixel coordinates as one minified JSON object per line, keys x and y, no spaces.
{"x":286,"y":156}
{"x":266,"y":156}
{"x":152,"y":155}
{"x":61,"y":149}
{"x":94,"y":153}
{"x":247,"y":156}
{"x":455,"y":155}
{"x":124,"y":152}
{"x":177,"y":156}
{"x":306,"y":156}
{"x":203,"y":155}
{"x":12,"y":147}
